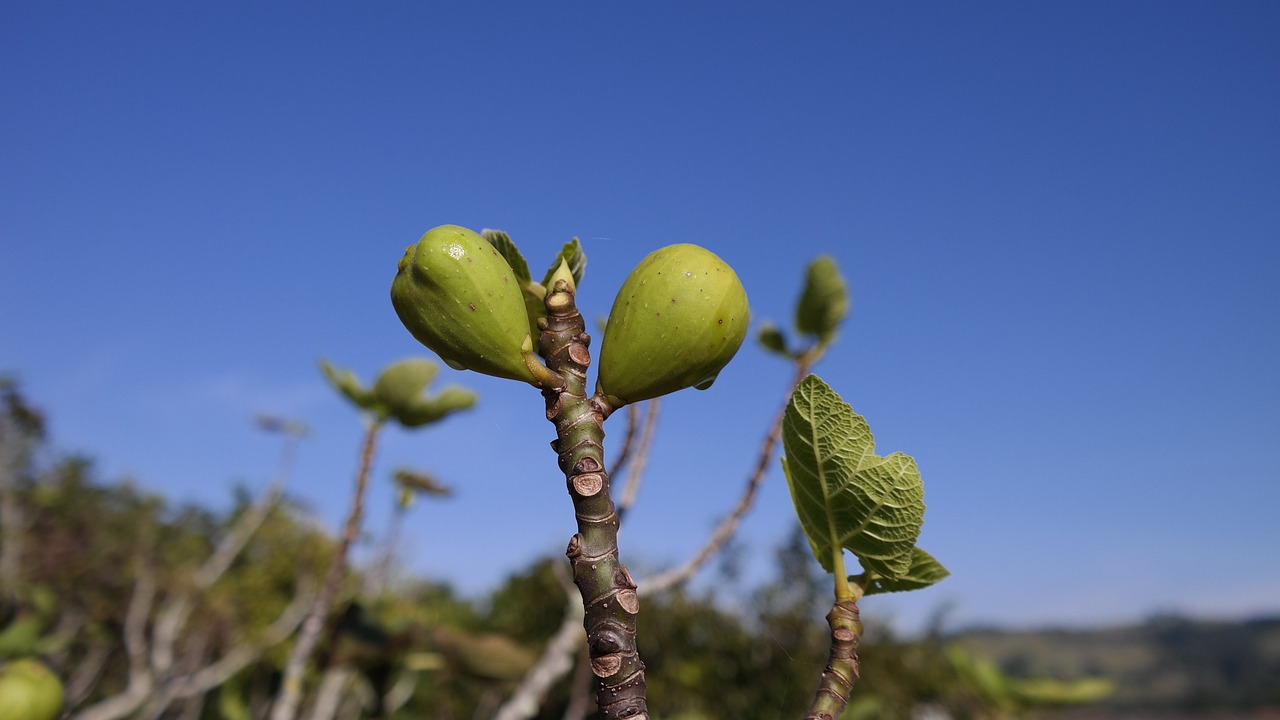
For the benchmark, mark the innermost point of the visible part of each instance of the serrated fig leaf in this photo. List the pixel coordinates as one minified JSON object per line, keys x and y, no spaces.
{"x":572,"y":254}
{"x":824,"y":302}
{"x":924,"y":571}
{"x":847,"y":497}
{"x":506,"y":247}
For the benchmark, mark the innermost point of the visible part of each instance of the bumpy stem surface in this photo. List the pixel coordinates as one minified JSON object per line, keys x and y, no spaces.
{"x":608,"y":592}
{"x":841,"y":672}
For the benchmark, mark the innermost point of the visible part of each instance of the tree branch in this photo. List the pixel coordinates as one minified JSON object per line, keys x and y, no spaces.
{"x":832,"y":695}
{"x":401,"y":692}
{"x":174,"y":617}
{"x":330,"y":694}
{"x":141,"y":681}
{"x":726,"y":529}
{"x":244,"y":653}
{"x":580,"y":689}
{"x":555,"y":663}
{"x":176,"y":613}
{"x":87,"y":674}
{"x":607,"y":590}
{"x":631,"y":488}
{"x":286,"y":706}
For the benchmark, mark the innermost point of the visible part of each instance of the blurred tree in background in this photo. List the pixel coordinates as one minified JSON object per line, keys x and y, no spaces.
{"x":101,"y":565}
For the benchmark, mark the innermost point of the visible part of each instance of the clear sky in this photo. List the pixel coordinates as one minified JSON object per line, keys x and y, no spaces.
{"x":1060,"y":223}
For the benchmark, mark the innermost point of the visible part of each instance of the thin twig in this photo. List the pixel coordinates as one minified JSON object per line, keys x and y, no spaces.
{"x":176,"y":613}
{"x":87,"y":674}
{"x":400,"y":693}
{"x":244,"y":653}
{"x":556,"y":659}
{"x":379,"y":575}
{"x":629,"y":439}
{"x":70,"y":621}
{"x":580,"y":689}
{"x":195,"y":658}
{"x":286,"y":706}
{"x":631,"y":488}
{"x":330,"y":694}
{"x":140,"y":682}
{"x":194,"y":683}
{"x":727,"y":527}
{"x":555,"y":663}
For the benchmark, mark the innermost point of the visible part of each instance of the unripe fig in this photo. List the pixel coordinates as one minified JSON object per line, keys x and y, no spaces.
{"x":458,"y":296}
{"x":30,"y":691}
{"x":678,"y":320}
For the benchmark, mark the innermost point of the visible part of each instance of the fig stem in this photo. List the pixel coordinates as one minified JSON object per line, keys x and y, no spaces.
{"x":546,"y":377}
{"x":832,"y":695}
{"x":608,"y":591}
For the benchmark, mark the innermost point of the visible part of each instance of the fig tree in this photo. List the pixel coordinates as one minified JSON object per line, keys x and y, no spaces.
{"x":678,"y":319}
{"x":457,"y":295}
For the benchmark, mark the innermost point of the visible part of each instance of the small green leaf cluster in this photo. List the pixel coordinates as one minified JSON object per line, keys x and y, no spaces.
{"x":850,"y":498}
{"x":678,"y":319}
{"x":27,"y":630}
{"x":821,"y":308}
{"x":398,"y":393}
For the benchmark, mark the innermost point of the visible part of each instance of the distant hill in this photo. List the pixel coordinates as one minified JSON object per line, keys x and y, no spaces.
{"x":1166,"y":667}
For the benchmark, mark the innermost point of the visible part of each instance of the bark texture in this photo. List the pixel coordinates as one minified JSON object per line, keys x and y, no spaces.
{"x":841,"y":672}
{"x":608,"y":591}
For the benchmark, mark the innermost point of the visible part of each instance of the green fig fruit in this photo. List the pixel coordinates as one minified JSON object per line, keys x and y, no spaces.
{"x":459,"y":297}
{"x":29,"y":691}
{"x":678,"y":320}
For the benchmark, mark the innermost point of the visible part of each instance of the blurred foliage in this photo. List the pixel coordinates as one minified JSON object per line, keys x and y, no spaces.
{"x":1164,"y":665}
{"x":399,"y":393}
{"x":719,"y":652}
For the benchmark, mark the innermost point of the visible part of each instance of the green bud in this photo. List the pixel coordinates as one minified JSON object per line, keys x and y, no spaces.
{"x":772,"y":339}
{"x":824,"y":302}
{"x":29,"y":690}
{"x":678,"y":320}
{"x":459,"y":297}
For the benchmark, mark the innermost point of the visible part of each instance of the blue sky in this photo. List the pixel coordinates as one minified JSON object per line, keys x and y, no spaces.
{"x":1060,"y":223}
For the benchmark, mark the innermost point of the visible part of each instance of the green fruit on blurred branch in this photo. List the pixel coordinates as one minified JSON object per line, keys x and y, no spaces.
{"x":29,"y":691}
{"x":457,"y":295}
{"x":678,"y":320}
